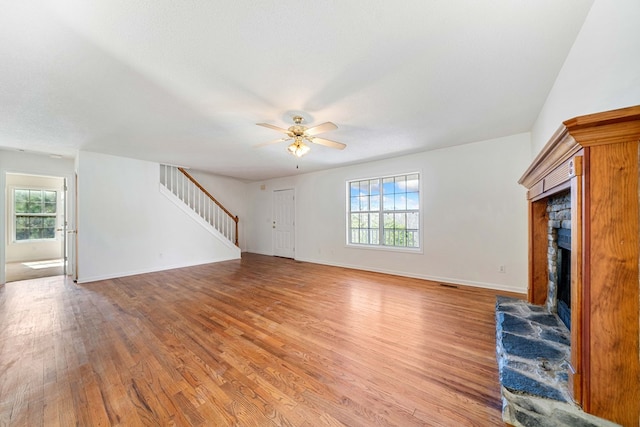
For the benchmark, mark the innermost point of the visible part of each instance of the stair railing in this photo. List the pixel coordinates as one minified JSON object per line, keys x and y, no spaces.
{"x":186,"y":188}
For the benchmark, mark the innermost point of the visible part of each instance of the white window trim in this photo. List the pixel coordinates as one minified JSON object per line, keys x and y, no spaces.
{"x":11,"y":220}
{"x":418,"y":250}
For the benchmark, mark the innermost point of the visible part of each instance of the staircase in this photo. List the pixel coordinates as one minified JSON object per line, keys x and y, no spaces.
{"x":186,"y":189}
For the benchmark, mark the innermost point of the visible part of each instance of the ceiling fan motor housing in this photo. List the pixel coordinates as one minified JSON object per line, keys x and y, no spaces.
{"x":297,"y":130}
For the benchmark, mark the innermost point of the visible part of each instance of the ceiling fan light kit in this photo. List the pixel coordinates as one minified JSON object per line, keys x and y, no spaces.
{"x":298,"y":148}
{"x":298,"y":132}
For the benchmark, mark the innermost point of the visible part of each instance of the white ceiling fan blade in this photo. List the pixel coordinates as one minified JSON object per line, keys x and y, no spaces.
{"x":267,"y":125}
{"x":328,"y":143}
{"x":324,"y":127}
{"x":262,"y":144}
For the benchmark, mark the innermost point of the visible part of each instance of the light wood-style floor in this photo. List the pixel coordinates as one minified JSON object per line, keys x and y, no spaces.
{"x":16,"y":271}
{"x":261,"y":341}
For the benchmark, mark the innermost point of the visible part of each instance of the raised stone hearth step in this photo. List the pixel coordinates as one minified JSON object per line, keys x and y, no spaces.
{"x":533,"y":349}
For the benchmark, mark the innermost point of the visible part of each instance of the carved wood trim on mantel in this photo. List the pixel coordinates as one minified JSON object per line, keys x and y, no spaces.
{"x":610,"y":127}
{"x":593,"y":129}
{"x":560,"y":148}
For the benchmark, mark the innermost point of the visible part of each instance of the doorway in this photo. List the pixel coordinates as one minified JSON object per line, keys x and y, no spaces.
{"x":36,"y":227}
{"x":284,"y":223}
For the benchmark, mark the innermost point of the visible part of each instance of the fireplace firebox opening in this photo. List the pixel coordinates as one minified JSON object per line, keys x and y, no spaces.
{"x":564,"y":276}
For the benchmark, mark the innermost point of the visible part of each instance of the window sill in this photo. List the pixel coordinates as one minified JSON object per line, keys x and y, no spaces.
{"x":385,"y":248}
{"x":20,"y":242}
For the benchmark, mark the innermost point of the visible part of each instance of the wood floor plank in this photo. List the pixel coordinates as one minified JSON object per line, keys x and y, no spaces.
{"x":260,"y":341}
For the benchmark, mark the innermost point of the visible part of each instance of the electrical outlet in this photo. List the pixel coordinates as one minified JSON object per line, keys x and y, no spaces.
{"x":502,"y":269}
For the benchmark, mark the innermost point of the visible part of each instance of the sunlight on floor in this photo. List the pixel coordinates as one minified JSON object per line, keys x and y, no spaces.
{"x":37,"y":265}
{"x":16,"y":271}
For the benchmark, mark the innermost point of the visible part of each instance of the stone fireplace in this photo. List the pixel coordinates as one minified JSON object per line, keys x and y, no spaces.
{"x":584,"y":267}
{"x":534,"y":340}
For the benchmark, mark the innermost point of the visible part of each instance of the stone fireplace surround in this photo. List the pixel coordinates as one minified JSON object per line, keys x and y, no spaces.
{"x":559,"y":213}
{"x":534,"y":346}
{"x":594,"y":158}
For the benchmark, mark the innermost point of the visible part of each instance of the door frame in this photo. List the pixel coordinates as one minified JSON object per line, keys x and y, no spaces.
{"x":293,"y":207}
{"x":70,"y":250}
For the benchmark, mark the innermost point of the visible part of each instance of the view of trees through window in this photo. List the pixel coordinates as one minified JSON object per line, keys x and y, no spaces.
{"x":385,"y":211}
{"x":35,"y":214}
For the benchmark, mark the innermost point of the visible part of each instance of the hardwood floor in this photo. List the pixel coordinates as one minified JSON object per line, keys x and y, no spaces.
{"x":260,"y":341}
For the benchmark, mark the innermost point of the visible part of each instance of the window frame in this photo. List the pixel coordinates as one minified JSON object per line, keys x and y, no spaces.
{"x":381,"y":212}
{"x":15,"y":214}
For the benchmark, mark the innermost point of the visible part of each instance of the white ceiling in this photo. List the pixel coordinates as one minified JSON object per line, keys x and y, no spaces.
{"x":185,"y":82}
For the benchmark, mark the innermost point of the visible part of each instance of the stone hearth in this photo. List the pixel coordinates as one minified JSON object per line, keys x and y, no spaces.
{"x":533,"y":347}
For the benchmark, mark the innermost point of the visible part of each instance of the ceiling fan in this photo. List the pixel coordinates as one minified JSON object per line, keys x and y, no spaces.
{"x":299,"y":133}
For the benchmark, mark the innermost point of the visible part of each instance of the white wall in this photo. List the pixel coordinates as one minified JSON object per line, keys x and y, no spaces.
{"x":20,"y":162}
{"x":126,"y":226}
{"x":474,"y":215}
{"x":21,"y":251}
{"x":601,"y":72}
{"x":231,"y":194}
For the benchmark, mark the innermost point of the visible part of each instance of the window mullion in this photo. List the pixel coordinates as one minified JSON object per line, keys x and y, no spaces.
{"x":381,"y":215}
{"x":401,"y":210}
{"x":43,"y":200}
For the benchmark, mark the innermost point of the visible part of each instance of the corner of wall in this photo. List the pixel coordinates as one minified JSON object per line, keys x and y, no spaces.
{"x":601,"y":71}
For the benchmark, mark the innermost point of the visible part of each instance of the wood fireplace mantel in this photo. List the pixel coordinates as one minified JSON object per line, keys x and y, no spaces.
{"x":596,"y":157}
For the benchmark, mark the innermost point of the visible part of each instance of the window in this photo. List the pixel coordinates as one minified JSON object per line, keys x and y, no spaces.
{"x":385,"y":211}
{"x":35,"y":214}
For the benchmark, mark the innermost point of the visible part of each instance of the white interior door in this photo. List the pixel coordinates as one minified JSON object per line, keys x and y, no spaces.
{"x":284,"y":223}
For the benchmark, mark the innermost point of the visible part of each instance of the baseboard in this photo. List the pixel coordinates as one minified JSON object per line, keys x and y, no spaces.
{"x":82,"y":280}
{"x":452,"y":280}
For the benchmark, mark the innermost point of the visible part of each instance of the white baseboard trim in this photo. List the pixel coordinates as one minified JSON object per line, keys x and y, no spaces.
{"x":451,"y":280}
{"x":82,"y":280}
